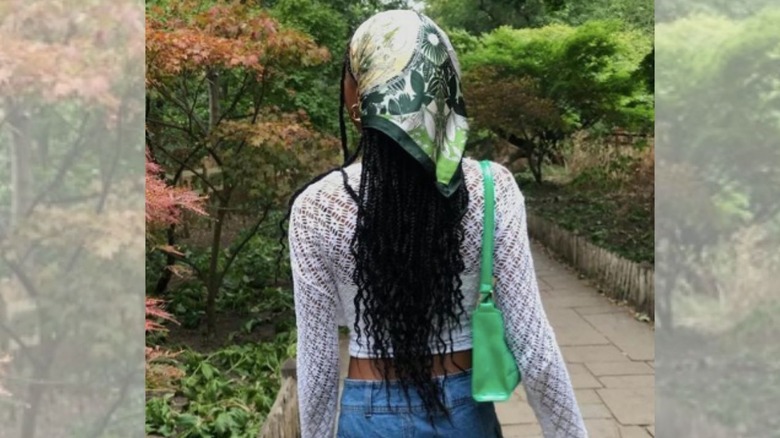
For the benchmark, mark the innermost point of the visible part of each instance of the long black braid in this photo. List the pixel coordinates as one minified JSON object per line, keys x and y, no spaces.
{"x":408,"y":262}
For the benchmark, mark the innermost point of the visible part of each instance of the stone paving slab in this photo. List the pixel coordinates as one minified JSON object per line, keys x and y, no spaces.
{"x":619,"y":368}
{"x":571,"y":329}
{"x":633,"y":432}
{"x":622,"y":382}
{"x":600,"y":309}
{"x":626,"y":333}
{"x":522,"y":431}
{"x":602,"y":428}
{"x":593,"y":353}
{"x":630,"y":406}
{"x":581,"y":377}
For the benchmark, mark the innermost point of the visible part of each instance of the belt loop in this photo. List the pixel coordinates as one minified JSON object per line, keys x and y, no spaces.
{"x":368,"y":403}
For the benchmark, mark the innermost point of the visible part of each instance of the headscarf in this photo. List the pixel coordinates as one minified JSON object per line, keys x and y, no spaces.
{"x":408,"y":79}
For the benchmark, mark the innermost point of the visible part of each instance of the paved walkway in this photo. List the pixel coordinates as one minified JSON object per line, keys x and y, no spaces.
{"x":609,"y":355}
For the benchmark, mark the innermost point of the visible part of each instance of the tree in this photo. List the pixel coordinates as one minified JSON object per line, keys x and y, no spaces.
{"x":533,"y":125}
{"x":330,"y":24}
{"x":213,"y":76}
{"x":481,"y":16}
{"x":638,"y":14}
{"x":535,"y":87}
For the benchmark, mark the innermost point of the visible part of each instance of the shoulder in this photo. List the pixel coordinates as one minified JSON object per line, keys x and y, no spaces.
{"x":319,"y":199}
{"x":503,"y":179}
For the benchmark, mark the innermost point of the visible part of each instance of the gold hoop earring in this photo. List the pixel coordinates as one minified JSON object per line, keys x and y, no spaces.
{"x":354,"y":113}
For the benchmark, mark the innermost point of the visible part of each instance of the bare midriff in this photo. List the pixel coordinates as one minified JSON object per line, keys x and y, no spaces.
{"x":371,"y":369}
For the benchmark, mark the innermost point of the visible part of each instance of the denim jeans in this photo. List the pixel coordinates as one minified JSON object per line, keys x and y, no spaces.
{"x":367,"y":412}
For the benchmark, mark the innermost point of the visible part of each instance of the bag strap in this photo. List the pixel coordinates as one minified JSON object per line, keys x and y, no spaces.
{"x":489,"y":225}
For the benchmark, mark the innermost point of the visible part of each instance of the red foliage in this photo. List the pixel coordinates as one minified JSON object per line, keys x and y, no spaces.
{"x":165,"y":204}
{"x":184,"y":37}
{"x":154,"y":310}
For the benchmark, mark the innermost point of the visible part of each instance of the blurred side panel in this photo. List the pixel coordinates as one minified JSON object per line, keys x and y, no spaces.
{"x":71,"y":218}
{"x":717,"y":218}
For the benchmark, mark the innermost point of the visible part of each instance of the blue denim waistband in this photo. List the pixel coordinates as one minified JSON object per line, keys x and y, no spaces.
{"x":376,"y":396}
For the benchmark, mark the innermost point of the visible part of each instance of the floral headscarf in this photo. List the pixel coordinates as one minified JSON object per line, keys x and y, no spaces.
{"x":409,"y":83}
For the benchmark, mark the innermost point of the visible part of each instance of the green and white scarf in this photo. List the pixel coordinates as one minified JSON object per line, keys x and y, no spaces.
{"x":409,"y":83}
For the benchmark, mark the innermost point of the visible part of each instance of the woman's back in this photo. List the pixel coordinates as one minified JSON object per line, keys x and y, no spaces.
{"x":322,"y":225}
{"x":334,"y":214}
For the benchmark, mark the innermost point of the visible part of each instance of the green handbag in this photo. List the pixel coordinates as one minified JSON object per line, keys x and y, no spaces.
{"x":494,"y":375}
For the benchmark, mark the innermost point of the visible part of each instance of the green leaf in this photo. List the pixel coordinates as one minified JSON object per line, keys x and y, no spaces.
{"x":224,"y":422}
{"x":188,"y":420}
{"x":207,"y":370}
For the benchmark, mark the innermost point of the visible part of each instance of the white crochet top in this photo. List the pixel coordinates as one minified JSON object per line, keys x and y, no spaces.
{"x":321,"y":226}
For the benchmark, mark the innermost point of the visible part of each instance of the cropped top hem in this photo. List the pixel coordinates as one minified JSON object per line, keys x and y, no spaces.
{"x":461,"y":342}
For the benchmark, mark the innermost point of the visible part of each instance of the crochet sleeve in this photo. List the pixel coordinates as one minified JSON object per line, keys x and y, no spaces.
{"x":529,"y":334}
{"x":315,"y":312}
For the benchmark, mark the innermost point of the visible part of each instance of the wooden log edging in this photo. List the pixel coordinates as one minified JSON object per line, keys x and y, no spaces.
{"x":621,"y":279}
{"x":283,"y":418}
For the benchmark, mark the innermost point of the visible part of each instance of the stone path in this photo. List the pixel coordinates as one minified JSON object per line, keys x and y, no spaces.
{"x":609,"y":355}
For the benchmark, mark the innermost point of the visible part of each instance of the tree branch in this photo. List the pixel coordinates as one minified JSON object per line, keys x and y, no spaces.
{"x":24,"y":348}
{"x":237,"y":97}
{"x":196,"y":173}
{"x":172,"y":126}
{"x":69,"y":160}
{"x":241,"y":245}
{"x":190,"y":114}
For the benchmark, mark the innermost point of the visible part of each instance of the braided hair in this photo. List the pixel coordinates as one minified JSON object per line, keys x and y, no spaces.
{"x":408,"y":263}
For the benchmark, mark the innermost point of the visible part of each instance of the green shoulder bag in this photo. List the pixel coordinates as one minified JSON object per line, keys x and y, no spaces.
{"x":494,"y":375}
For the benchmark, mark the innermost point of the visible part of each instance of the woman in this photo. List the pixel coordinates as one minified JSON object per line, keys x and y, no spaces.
{"x":391,"y":247}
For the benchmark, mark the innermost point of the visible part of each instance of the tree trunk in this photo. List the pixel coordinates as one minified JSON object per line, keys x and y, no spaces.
{"x":20,"y":149}
{"x":166,"y":275}
{"x":41,"y":373}
{"x":213,"y":282}
{"x":535,"y":164}
{"x":214,"y":96}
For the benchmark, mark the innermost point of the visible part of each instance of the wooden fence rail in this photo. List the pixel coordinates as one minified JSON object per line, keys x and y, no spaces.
{"x":621,"y":278}
{"x":283,"y":419}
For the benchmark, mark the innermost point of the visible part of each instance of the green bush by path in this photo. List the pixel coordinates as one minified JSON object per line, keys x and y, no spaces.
{"x":536,"y":88}
{"x":607,"y":220}
{"x":605,"y":194}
